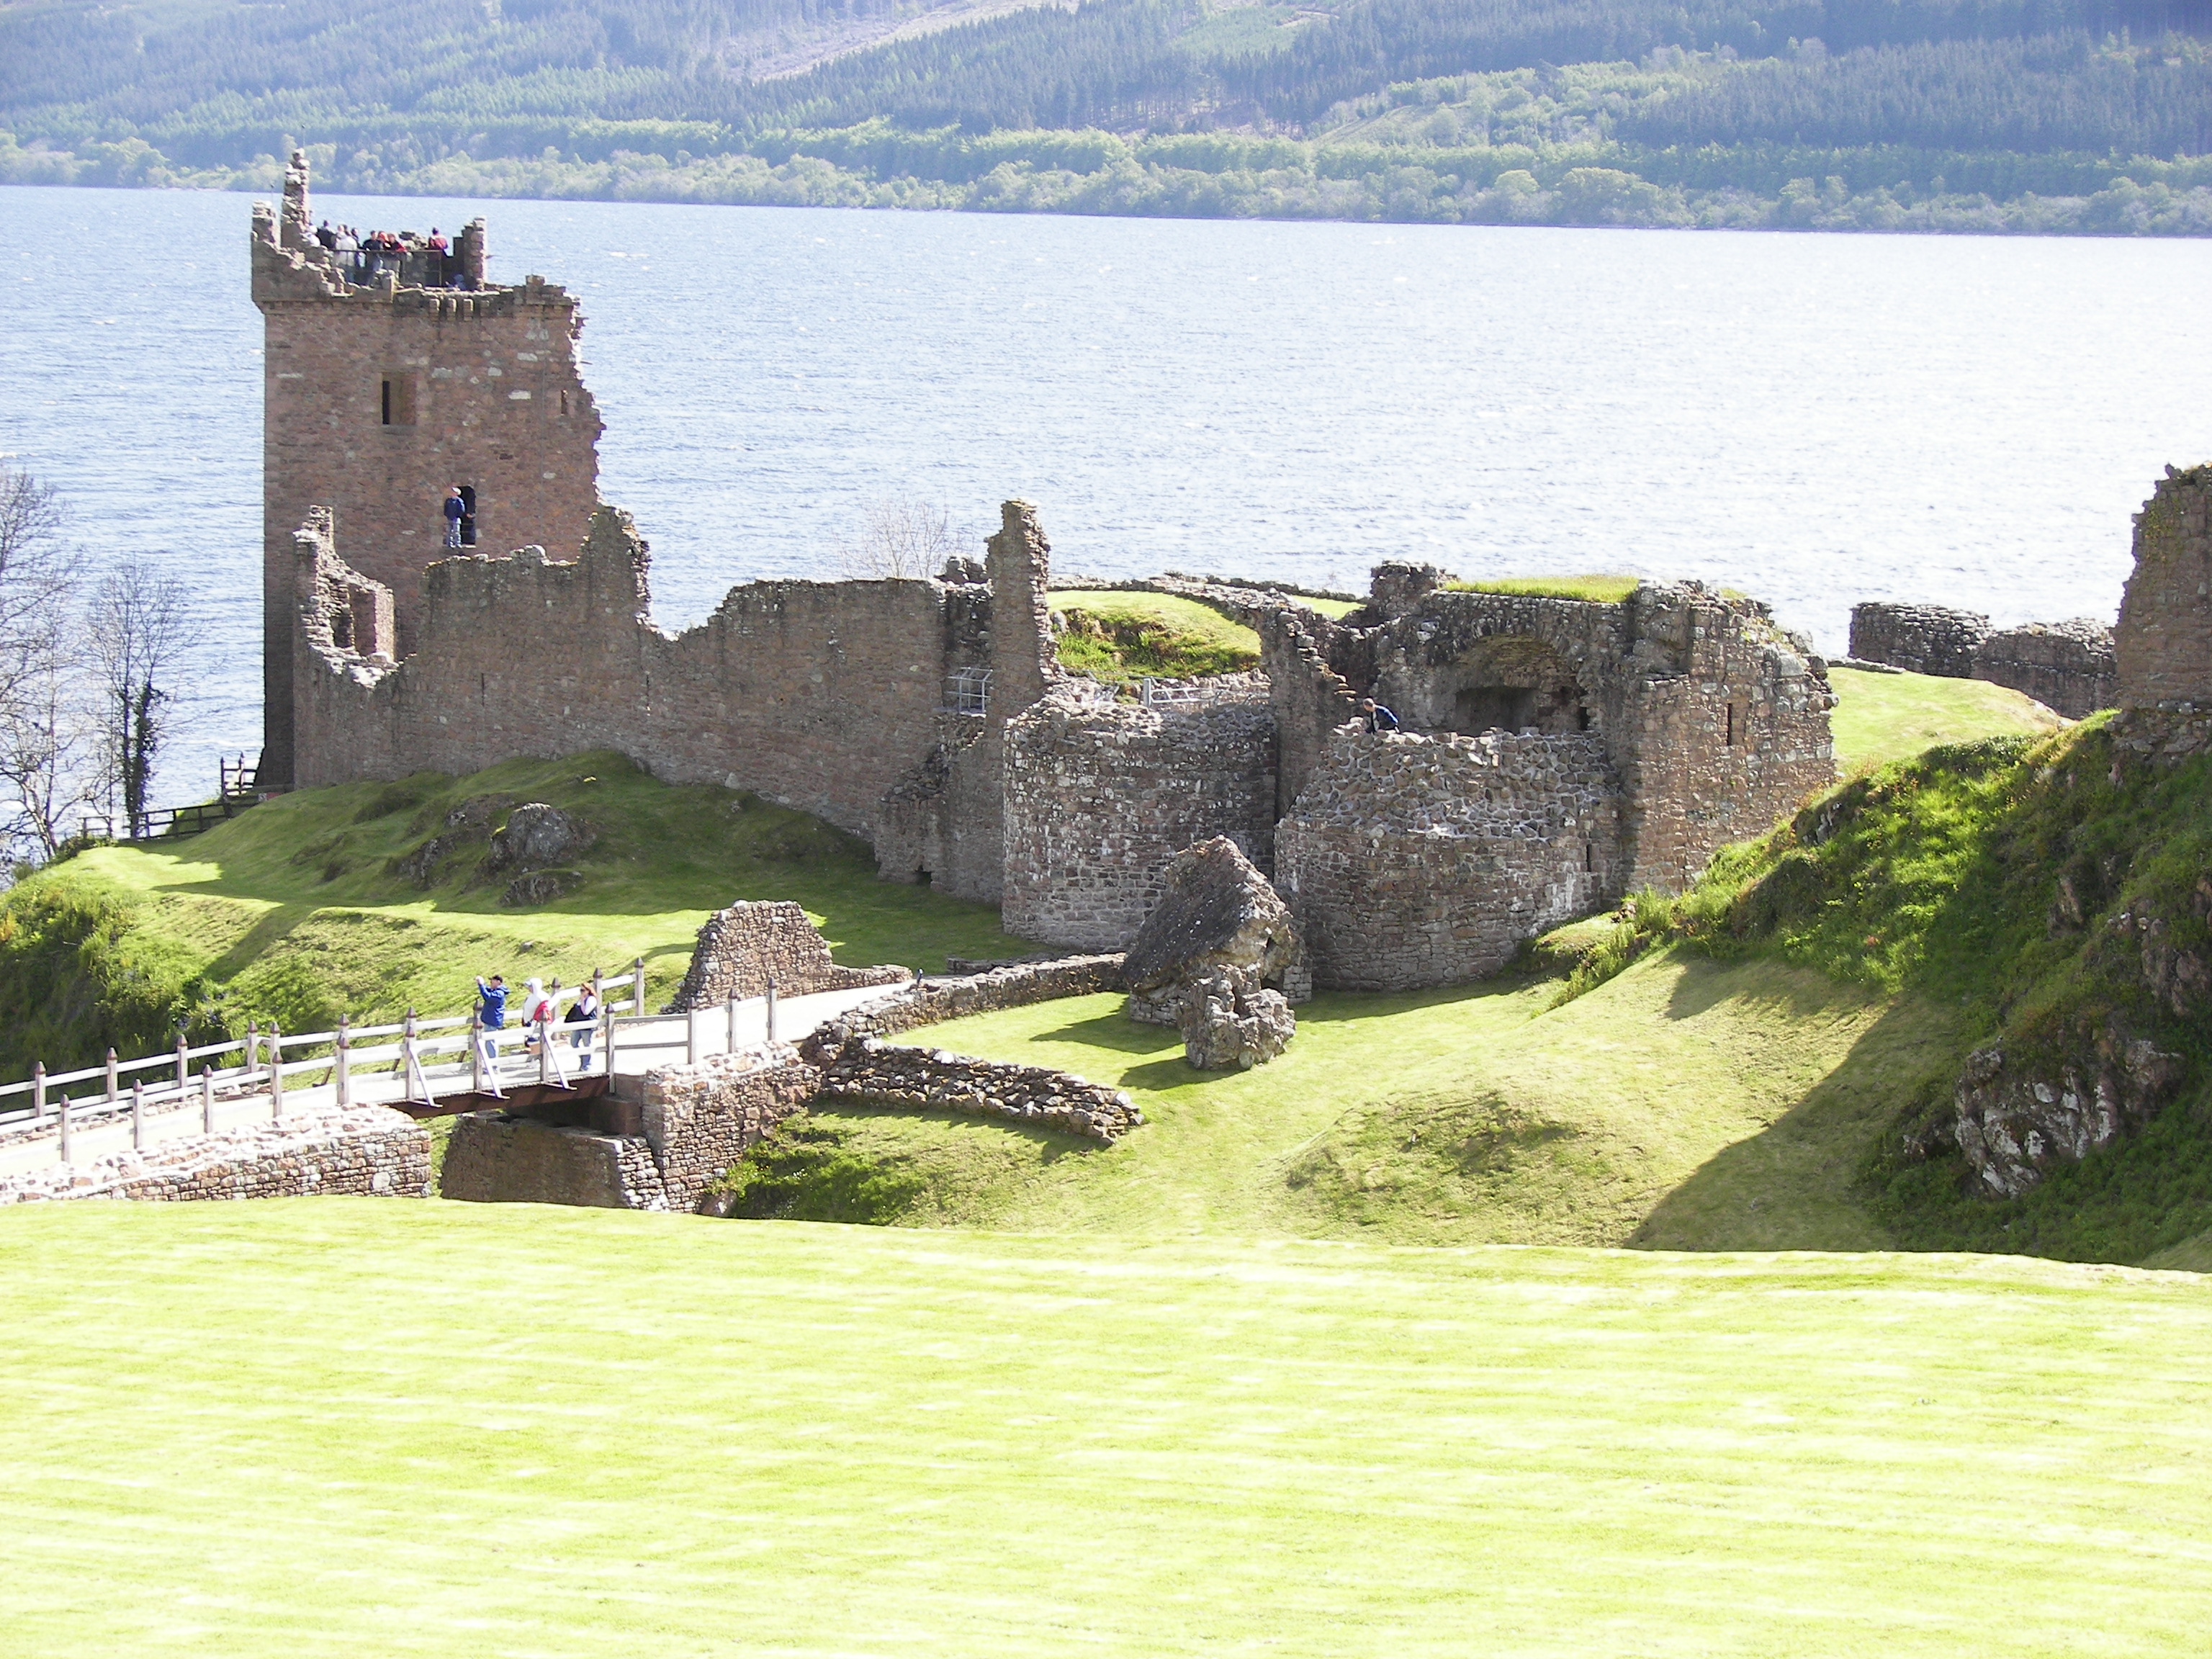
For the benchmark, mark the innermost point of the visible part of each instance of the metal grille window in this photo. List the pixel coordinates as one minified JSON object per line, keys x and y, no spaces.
{"x":968,"y":691}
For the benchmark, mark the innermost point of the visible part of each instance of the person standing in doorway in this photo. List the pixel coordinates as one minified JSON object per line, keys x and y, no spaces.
{"x":456,"y":510}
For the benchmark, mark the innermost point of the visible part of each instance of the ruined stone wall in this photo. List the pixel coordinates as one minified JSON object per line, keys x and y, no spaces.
{"x":1715,"y":721}
{"x":2067,"y":666}
{"x":1098,"y":798}
{"x":931,"y":1001}
{"x":743,"y":950}
{"x":366,"y":1151}
{"x":2164,"y":640}
{"x":1308,"y":694}
{"x":1426,"y":860}
{"x":872,"y":1073}
{"x":818,"y":695}
{"x":481,"y":389}
{"x":1921,"y":639}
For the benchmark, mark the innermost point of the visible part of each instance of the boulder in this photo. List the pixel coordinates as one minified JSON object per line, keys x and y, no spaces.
{"x":1230,"y":1022}
{"x":536,"y":837}
{"x":1216,"y":911}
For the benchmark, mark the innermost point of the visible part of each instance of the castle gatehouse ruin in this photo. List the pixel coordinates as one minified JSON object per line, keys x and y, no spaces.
{"x":1532,"y":758}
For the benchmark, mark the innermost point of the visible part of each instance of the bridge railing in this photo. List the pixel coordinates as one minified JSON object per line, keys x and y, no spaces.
{"x":266,"y":1062}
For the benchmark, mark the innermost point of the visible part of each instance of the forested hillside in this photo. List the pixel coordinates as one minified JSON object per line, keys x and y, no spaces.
{"x":1988,"y":114}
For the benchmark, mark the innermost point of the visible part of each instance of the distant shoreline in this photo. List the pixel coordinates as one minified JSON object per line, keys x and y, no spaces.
{"x":1098,"y":175}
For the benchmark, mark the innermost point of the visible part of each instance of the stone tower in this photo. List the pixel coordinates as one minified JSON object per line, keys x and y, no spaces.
{"x":381,"y":390}
{"x":2164,"y":640}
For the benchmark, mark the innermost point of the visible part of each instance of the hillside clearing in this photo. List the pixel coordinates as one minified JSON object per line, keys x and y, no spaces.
{"x":1881,"y":718}
{"x":432,"y":1429}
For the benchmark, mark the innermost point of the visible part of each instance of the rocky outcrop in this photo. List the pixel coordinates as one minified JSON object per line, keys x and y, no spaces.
{"x":1216,"y":911}
{"x":536,"y":836}
{"x":1231,"y":1022}
{"x":2018,"y":1120}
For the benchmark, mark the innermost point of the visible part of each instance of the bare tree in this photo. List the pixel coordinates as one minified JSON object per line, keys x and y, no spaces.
{"x":900,"y":536}
{"x":135,"y":629}
{"x":43,"y":719}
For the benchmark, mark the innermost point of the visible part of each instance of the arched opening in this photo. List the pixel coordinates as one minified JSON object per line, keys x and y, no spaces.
{"x":1515,"y":684}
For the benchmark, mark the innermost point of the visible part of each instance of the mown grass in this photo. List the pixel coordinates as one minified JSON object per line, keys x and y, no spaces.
{"x":1596,"y":589}
{"x":295,"y":910}
{"x":1686,"y":1105}
{"x":1881,"y":718}
{"x":341,"y":1427}
{"x":1121,"y":638}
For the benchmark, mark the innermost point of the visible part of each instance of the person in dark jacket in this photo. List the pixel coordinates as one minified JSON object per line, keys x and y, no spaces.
{"x":456,"y":510}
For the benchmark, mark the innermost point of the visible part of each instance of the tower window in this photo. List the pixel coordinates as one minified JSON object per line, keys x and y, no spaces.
{"x":395,"y":400}
{"x":1730,"y":738}
{"x":564,"y":401}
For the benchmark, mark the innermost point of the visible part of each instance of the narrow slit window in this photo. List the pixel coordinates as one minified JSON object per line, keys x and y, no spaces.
{"x":395,"y":400}
{"x":1731,"y":726}
{"x":564,"y":402}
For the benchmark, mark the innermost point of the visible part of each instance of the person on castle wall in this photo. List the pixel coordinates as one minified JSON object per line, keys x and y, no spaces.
{"x":1375,"y":717}
{"x":347,"y":247}
{"x":456,"y":509}
{"x":437,"y":275}
{"x":327,"y":237}
{"x":491,"y":1018}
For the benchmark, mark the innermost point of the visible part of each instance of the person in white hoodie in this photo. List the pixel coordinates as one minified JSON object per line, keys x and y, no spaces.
{"x":535,"y":1013}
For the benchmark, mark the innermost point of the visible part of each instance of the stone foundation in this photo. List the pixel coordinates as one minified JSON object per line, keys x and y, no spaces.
{"x":367,"y":1152}
{"x":872,"y":1073}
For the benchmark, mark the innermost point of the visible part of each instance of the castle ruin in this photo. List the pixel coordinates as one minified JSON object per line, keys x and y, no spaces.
{"x":1550,"y":755}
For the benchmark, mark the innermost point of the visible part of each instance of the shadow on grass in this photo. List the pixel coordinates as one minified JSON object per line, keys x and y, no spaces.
{"x":278,"y":925}
{"x":1052,"y":1145}
{"x":1797,"y":992}
{"x":1795,"y":1184}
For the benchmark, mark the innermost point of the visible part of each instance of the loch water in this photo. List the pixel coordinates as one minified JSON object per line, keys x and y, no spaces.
{"x":1813,"y":419}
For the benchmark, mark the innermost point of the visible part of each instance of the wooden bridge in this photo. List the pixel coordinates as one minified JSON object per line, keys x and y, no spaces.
{"x":426,"y":1067}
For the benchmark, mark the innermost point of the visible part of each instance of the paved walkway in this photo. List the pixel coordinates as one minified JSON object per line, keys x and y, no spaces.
{"x":97,"y":1132}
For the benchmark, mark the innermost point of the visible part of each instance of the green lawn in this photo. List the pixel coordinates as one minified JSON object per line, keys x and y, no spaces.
{"x":348,"y":1427}
{"x":1121,"y":638}
{"x":1880,"y":718}
{"x":1598,"y":589}
{"x":293,"y":910}
{"x":1685,"y":1104}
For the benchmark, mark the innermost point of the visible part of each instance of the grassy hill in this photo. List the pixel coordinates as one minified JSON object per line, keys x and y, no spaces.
{"x":297,"y":909}
{"x":1940,"y":114}
{"x":344,"y":1426}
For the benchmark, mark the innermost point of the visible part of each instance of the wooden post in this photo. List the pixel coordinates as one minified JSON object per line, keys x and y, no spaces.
{"x":37,"y":1091}
{"x":66,"y":1158}
{"x":732,"y":1045}
{"x":476,"y":1054}
{"x":599,"y":996}
{"x":607,"y":1058}
{"x":253,"y":1048}
{"x":207,"y":1099}
{"x":343,"y":1074}
{"x":771,"y":1008}
{"x":113,"y":1095}
{"x":183,"y":1062}
{"x":545,"y":1041}
{"x":138,"y":1114}
{"x":637,"y":987}
{"x":276,"y":1074}
{"x":691,"y":1037}
{"x":408,"y":1069}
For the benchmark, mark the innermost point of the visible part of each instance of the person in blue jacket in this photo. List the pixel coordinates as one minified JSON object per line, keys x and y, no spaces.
{"x":491,"y":1016}
{"x":456,"y":509}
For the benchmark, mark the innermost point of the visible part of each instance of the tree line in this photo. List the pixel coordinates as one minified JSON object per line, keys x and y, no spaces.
{"x":86,"y":658}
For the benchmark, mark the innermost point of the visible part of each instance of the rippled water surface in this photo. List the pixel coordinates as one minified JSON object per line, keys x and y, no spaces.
{"x":1813,"y":419}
